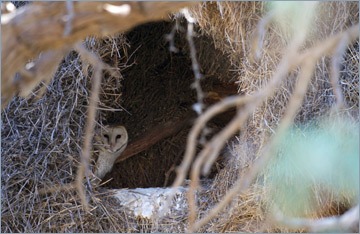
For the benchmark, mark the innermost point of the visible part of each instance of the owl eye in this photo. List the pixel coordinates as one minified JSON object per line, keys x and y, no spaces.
{"x":118,"y":137}
{"x":106,"y":136}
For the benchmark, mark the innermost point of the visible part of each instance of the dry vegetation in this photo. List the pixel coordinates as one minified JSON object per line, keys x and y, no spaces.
{"x":144,"y":86}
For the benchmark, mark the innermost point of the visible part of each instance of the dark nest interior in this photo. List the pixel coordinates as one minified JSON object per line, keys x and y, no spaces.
{"x":157,"y":89}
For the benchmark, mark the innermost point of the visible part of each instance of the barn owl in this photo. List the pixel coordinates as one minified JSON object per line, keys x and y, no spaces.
{"x":112,"y":142}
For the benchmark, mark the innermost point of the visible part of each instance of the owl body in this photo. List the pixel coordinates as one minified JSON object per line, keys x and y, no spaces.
{"x":112,"y":141}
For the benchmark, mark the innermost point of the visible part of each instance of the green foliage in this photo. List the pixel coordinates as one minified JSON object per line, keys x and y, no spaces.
{"x":324,"y":156}
{"x":293,"y":16}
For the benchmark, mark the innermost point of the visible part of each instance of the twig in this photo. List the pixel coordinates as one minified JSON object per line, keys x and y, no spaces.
{"x":257,"y":42}
{"x":90,"y":122}
{"x":198,"y":107}
{"x":297,"y":98}
{"x":69,"y":18}
{"x":343,"y":223}
{"x":335,"y":73}
{"x":171,"y":36}
{"x":56,"y":188}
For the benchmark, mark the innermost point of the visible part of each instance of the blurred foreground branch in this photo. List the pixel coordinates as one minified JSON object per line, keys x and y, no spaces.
{"x":52,"y":28}
{"x":343,"y":223}
{"x":292,"y":58}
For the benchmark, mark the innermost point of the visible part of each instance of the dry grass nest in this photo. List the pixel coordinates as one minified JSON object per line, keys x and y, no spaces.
{"x":42,"y":137}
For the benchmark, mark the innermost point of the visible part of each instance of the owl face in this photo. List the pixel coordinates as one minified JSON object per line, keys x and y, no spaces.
{"x":114,"y":138}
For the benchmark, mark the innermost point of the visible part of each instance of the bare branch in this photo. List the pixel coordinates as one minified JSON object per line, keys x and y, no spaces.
{"x":90,"y":121}
{"x":199,"y":105}
{"x":213,"y":147}
{"x":68,"y":19}
{"x":335,"y":73}
{"x":343,"y":223}
{"x":211,"y":150}
{"x":23,"y":38}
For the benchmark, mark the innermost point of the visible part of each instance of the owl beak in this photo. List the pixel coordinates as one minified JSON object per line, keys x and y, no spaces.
{"x":112,"y":148}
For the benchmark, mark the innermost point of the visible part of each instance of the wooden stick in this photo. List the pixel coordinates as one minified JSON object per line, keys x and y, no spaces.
{"x":153,"y":136}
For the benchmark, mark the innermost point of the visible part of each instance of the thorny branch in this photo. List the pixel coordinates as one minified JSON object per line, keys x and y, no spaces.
{"x":171,"y":36}
{"x":199,"y":106}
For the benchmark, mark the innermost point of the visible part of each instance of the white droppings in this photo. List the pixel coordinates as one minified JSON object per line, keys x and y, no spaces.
{"x":146,"y":202}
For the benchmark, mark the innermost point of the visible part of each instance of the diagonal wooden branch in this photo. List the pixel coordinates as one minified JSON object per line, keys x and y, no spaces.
{"x":153,"y":136}
{"x":44,"y":26}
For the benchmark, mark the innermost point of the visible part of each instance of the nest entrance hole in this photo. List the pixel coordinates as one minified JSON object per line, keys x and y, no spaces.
{"x":157,"y":95}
